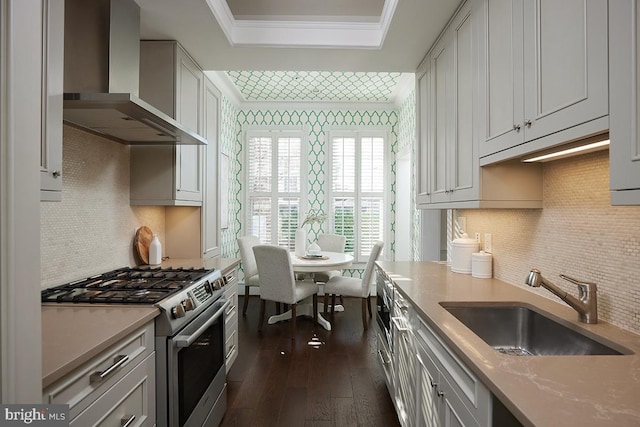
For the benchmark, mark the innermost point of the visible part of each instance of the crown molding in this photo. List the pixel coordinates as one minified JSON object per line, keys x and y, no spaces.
{"x":339,"y":33}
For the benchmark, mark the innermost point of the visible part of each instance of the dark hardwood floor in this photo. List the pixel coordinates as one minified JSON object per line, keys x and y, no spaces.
{"x":276,"y":381}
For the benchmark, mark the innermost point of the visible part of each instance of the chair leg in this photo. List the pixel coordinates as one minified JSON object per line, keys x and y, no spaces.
{"x":364,"y":313}
{"x":369,"y":305}
{"x":315,"y":309}
{"x":278,"y":308}
{"x":326,"y":303}
{"x":293,"y":321}
{"x":333,"y":303}
{"x":246,"y":300}
{"x":341,"y":301}
{"x":262,"y":304}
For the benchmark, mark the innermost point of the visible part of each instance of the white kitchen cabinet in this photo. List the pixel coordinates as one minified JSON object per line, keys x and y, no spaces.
{"x":545,"y":80}
{"x":423,"y":89}
{"x":447,"y":393}
{"x":624,"y":68}
{"x":450,"y":149}
{"x":231,"y":316}
{"x":211,"y":198}
{"x":403,"y":362}
{"x":171,"y":81}
{"x":117,"y":384}
{"x":448,"y":99}
{"x":52,"y":94}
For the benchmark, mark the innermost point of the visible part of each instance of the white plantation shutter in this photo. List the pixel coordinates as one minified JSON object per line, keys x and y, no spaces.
{"x":274,"y":202}
{"x":357,"y":190}
{"x":344,"y":165}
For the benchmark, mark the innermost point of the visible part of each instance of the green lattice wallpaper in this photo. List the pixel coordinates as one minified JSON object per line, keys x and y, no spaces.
{"x":401,"y":122}
{"x":300,"y":86}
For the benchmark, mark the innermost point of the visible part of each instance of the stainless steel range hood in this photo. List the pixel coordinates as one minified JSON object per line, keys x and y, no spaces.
{"x":101,"y":76}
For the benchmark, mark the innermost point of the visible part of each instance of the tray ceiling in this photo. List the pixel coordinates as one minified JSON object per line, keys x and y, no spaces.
{"x":315,"y":86}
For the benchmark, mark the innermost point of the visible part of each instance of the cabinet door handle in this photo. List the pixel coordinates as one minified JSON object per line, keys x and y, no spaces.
{"x":433,"y":384}
{"x":440,"y":393}
{"x":56,"y":173}
{"x":126,"y":422}
{"x":118,"y":361}
{"x":528,"y":123}
{"x":516,"y":128}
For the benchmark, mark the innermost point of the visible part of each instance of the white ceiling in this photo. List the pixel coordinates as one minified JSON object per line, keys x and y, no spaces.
{"x":279,"y":50}
{"x":414,"y":28}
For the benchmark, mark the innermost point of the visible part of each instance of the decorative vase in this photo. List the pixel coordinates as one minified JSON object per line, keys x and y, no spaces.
{"x":301,"y":242}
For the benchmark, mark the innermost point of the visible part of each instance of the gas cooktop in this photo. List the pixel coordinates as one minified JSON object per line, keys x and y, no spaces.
{"x":128,"y":285}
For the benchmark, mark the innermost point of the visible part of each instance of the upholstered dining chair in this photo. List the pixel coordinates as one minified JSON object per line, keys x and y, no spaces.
{"x":354,"y":287}
{"x":278,"y":283}
{"x":329,"y":243}
{"x":249,"y":266}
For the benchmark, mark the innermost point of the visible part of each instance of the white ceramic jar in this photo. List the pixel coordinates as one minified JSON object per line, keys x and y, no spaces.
{"x":461,"y":250}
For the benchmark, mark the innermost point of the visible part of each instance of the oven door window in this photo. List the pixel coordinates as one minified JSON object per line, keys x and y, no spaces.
{"x":198,"y":364}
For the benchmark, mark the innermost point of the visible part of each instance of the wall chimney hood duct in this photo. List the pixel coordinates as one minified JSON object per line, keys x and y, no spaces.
{"x":101,"y":76}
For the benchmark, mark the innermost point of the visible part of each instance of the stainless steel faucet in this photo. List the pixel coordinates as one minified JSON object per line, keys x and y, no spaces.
{"x":587,"y":303}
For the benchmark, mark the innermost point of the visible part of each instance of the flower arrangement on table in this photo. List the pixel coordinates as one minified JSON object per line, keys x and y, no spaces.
{"x":313,"y":216}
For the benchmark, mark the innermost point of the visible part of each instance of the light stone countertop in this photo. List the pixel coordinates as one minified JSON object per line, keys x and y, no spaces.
{"x":72,"y":334}
{"x":538,"y":390}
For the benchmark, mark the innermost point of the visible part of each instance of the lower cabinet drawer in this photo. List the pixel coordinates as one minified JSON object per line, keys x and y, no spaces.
{"x":130,"y":402}
{"x":471,"y":392}
{"x":83,"y":385}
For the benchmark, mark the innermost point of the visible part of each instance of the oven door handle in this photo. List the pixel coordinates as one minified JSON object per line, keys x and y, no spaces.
{"x":187,"y":340}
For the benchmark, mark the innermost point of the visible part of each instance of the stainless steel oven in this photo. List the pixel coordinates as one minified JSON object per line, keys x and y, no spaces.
{"x":194,"y":370}
{"x":189,"y":334}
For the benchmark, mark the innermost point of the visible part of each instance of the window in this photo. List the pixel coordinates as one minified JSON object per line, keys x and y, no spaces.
{"x":356,"y":189}
{"x":275,"y":192}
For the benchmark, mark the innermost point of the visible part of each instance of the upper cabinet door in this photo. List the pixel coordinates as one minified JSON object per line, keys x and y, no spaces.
{"x":423,"y":88}
{"x":624,"y":151}
{"x":565,"y":64}
{"x":504,"y":105}
{"x":463,"y":155}
{"x":52,"y":77}
{"x":442,"y":119}
{"x":546,"y":76}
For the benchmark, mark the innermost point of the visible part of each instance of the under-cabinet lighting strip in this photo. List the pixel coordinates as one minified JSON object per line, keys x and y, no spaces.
{"x":568,"y":151}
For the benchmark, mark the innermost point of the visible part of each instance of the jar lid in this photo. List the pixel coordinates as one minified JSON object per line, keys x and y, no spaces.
{"x":465,"y":240}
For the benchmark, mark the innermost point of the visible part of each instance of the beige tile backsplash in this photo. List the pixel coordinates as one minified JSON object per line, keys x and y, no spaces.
{"x":577,"y":233}
{"x":91,"y":230}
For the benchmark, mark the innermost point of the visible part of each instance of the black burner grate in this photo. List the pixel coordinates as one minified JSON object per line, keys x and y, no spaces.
{"x":128,"y":285}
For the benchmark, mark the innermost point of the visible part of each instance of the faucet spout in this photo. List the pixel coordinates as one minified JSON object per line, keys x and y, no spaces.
{"x":586,"y":305}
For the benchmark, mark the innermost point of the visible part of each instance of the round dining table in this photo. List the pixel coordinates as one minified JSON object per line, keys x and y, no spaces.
{"x":324,"y":261}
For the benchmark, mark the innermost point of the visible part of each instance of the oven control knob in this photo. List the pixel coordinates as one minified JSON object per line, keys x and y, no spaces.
{"x":178,"y":311}
{"x":188,"y":304}
{"x":217,"y":285}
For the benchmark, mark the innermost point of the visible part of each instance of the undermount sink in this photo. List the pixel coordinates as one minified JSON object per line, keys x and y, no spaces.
{"x":520,"y":330}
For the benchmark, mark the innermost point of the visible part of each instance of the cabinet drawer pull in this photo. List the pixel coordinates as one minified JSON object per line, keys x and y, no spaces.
{"x":440,"y":394}
{"x":381,"y":356}
{"x":230,"y":352}
{"x":399,"y":327}
{"x":433,"y":384}
{"x":126,"y":422}
{"x":516,"y":128}
{"x":528,"y":123}
{"x":118,"y":361}
{"x":229,"y":310}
